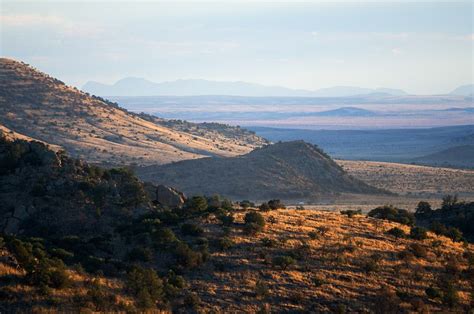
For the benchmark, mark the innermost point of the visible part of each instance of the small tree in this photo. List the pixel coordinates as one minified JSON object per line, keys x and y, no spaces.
{"x":423,"y":208}
{"x":418,"y":233}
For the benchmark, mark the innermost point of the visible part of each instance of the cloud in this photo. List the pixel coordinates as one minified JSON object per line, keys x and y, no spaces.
{"x":29,"y":20}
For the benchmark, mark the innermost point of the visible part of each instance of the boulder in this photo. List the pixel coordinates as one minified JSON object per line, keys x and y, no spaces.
{"x":169,"y":197}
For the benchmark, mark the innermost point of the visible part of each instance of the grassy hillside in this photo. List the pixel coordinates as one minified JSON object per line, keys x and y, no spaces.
{"x":41,"y":107}
{"x":76,"y":237}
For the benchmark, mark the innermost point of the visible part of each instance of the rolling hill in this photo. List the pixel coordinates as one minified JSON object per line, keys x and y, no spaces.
{"x":289,"y":170}
{"x":40,"y":107}
{"x":457,"y":156}
{"x":465,"y":90}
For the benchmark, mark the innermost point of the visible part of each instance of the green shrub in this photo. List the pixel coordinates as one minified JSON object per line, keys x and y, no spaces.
{"x":418,"y":233}
{"x":140,"y":254}
{"x":264,"y":207}
{"x":254,"y":217}
{"x":191,"y":229}
{"x":225,"y":243}
{"x":396,"y":232}
{"x":313,"y":235}
{"x":226,"y":220}
{"x":196,"y":204}
{"x":351,"y":213}
{"x":267,"y":242}
{"x":391,"y":213}
{"x":164,"y":236}
{"x":276,"y":204}
{"x":261,"y":289}
{"x":252,"y":228}
{"x":186,"y":257}
{"x":433,"y":293}
{"x":145,"y":285}
{"x":283,"y":261}
{"x":450,"y":296}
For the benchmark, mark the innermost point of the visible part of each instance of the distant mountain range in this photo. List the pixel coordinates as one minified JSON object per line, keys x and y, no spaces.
{"x":133,"y":86}
{"x":465,"y":90}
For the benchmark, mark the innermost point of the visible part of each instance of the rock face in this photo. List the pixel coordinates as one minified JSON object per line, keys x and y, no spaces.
{"x":169,"y":197}
{"x":290,"y":170}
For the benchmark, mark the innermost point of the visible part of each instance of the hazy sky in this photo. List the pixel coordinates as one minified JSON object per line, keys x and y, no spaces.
{"x":422,"y":47}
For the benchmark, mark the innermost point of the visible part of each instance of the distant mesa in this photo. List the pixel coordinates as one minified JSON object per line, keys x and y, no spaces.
{"x":465,"y":90}
{"x":288,"y":170}
{"x":347,"y":112}
{"x":133,"y":86}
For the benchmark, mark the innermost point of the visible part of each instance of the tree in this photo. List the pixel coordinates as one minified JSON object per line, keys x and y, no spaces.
{"x":197,"y":203}
{"x":423,"y":208}
{"x":449,"y":201}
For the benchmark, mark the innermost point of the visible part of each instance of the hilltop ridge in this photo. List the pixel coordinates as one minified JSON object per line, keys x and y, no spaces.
{"x":287,"y":170}
{"x":43,"y":108}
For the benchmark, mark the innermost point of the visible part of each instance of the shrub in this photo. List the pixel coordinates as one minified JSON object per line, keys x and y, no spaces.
{"x":186,"y":257}
{"x":226,"y":220}
{"x":225,"y":243}
{"x":196,"y":204}
{"x":254,"y":217}
{"x":418,"y":233}
{"x":140,"y":254}
{"x":351,"y":213}
{"x":454,"y":234}
{"x":252,"y":228}
{"x":283,"y":261}
{"x":145,"y":286}
{"x":396,"y":232}
{"x":433,"y":293}
{"x":267,"y":242}
{"x":261,"y":289}
{"x":264,"y":207}
{"x":450,"y":296}
{"x":313,"y":235}
{"x":245,"y":204}
{"x":164,"y":236}
{"x":418,"y":250}
{"x":391,"y":213}
{"x":276,"y":204}
{"x":192,"y":230}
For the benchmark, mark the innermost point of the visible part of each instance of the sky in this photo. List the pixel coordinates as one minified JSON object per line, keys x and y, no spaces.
{"x":422,"y":47}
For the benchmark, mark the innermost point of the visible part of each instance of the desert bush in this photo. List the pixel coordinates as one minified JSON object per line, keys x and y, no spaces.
{"x":226,"y":219}
{"x":450,"y":295}
{"x":452,"y":267}
{"x":418,"y":250}
{"x":396,"y":232}
{"x":186,"y":257}
{"x":102,"y":300}
{"x":372,"y":263}
{"x":145,"y":285}
{"x":164,"y":236}
{"x":172,"y":285}
{"x":196,"y":204}
{"x":276,"y":204}
{"x":254,"y":217}
{"x":264,"y":207}
{"x":351,"y":213}
{"x":191,"y":230}
{"x":192,"y":300}
{"x":267,"y":242}
{"x":313,"y":235}
{"x":418,"y":233}
{"x":261,"y":289}
{"x":254,"y":222}
{"x":391,"y":213}
{"x":283,"y":261}
{"x":433,"y":293}
{"x":245,"y":204}
{"x":225,"y":243}
{"x":140,"y":254}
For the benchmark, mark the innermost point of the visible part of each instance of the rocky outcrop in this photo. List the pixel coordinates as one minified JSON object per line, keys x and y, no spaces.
{"x":165,"y":196}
